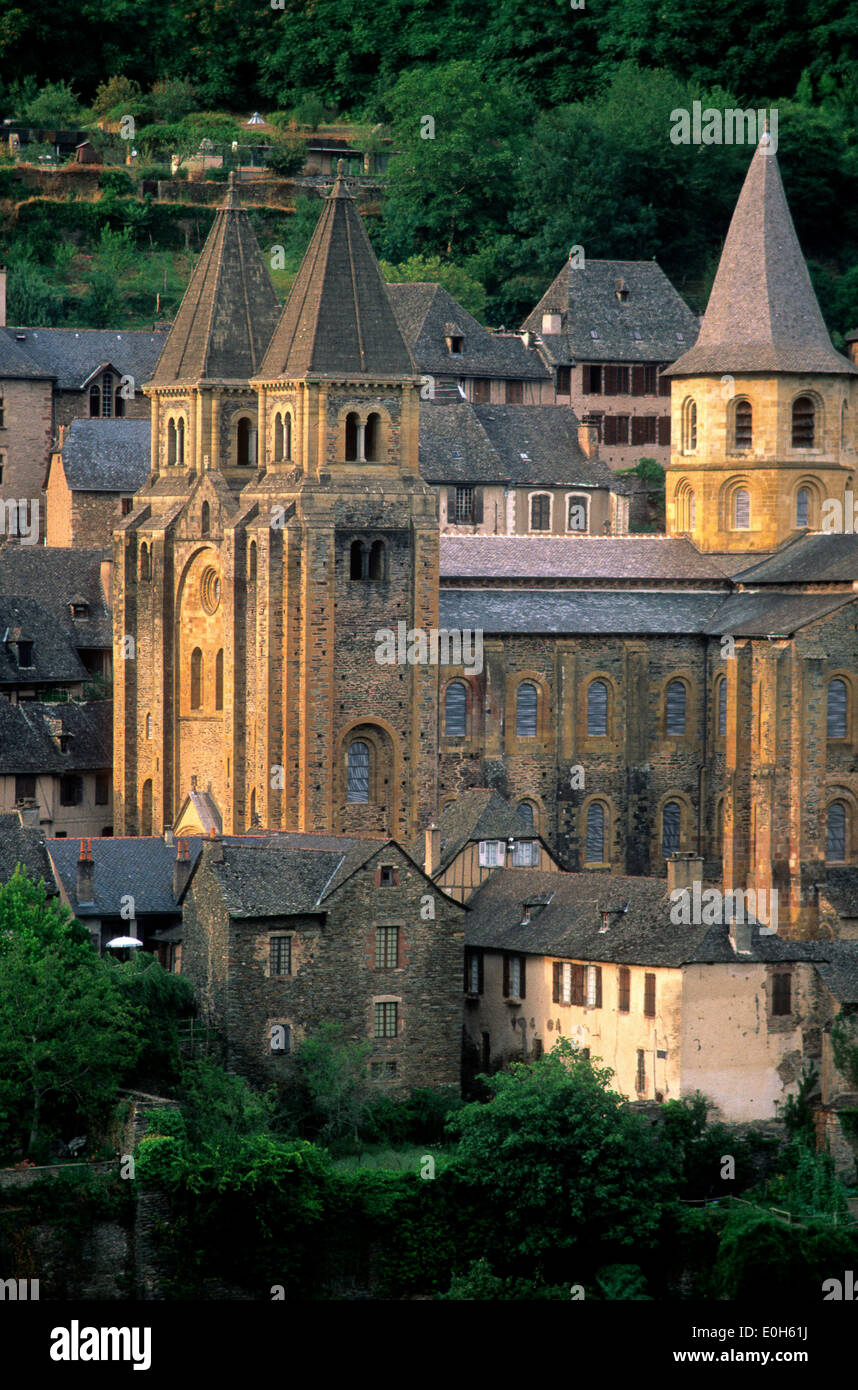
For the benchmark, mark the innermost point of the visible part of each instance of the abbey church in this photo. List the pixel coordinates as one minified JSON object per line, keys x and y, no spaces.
{"x":639,"y":696}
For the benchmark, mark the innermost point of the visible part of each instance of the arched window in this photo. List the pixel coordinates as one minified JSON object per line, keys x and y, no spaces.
{"x":243,"y":443}
{"x":94,"y":401}
{"x":526,"y":705}
{"x":107,"y":395}
{"x":803,"y":422}
{"x":526,"y":811}
{"x":455,"y":710}
{"x":802,"y":507}
{"x":196,"y":679}
{"x":595,"y":835}
{"x":597,"y":709}
{"x":671,"y":824}
{"x":743,"y":425}
{"x":674,"y":704}
{"x":358,"y":561}
{"x":722,"y":707}
{"x":251,"y":562}
{"x":689,"y":426}
{"x":253,"y":807}
{"x":741,"y":509}
{"x":377,"y":560}
{"x":171,"y":442}
{"x":372,"y":437}
{"x":844,"y":425}
{"x":287,"y":436}
{"x":684,"y":505}
{"x":358,"y":771}
{"x":205,"y":519}
{"x":278,"y":436}
{"x":118,"y":402}
{"x":219,"y":680}
{"x":835,"y":838}
{"x":148,"y":726}
{"x":351,"y":437}
{"x":540,"y":512}
{"x":145,"y":562}
{"x":180,"y":442}
{"x":837,"y":710}
{"x":146,"y":808}
{"x":692,"y":511}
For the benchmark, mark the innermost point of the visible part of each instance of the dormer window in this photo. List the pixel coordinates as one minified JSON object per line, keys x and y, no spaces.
{"x":455,"y":344}
{"x":79,"y":610}
{"x":525,"y":854}
{"x":63,"y":741}
{"x":25,"y":654}
{"x":622,"y":291}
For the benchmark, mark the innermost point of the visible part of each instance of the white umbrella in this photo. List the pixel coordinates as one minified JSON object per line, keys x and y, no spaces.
{"x":123,"y":941}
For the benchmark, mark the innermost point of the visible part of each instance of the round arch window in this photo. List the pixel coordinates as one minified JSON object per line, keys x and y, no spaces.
{"x":210,"y":589}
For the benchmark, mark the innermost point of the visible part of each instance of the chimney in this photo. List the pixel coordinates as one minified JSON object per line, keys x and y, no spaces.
{"x":214,"y":844}
{"x":551,"y":324}
{"x":181,"y":868}
{"x":2,"y":296}
{"x":433,"y":850}
{"x":588,"y":439}
{"x":683,"y":871}
{"x":28,"y":814}
{"x":85,"y":873}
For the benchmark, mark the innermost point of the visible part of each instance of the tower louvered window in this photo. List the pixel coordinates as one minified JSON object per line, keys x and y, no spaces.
{"x":741,"y":509}
{"x":526,"y":704}
{"x":803,"y":423}
{"x":358,"y":772}
{"x":802,"y":507}
{"x":835,"y":842}
{"x":595,"y":839}
{"x":722,"y":708}
{"x":671,"y":822}
{"x":744,"y":425}
{"x":837,"y":708}
{"x":675,"y":710}
{"x":597,"y":709}
{"x":455,"y":710}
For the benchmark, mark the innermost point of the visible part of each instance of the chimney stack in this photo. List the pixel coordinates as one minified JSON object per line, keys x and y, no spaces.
{"x":28,"y":814}
{"x":85,"y":874}
{"x":215,"y":847}
{"x":588,"y":438}
{"x":433,"y":850}
{"x":683,"y":871}
{"x":181,"y":868}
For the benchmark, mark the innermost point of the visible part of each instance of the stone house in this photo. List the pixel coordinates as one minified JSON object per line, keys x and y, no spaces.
{"x":607,"y":330}
{"x":92,"y":478}
{"x":64,"y":594}
{"x":285,"y":933}
{"x":56,"y":759}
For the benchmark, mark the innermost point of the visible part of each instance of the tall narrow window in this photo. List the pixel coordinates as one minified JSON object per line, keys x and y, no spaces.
{"x":743,"y":423}
{"x":145,"y":562}
{"x":146,"y":808}
{"x":722,"y":707}
{"x":94,"y":402}
{"x":802,"y":507}
{"x":837,"y":707}
{"x":287,"y":436}
{"x":671,"y":823}
{"x":243,"y":442}
{"x":358,"y":561}
{"x":525,"y":810}
{"x":640,"y":1078}
{"x":844,"y":425}
{"x":196,"y":679}
{"x":372,"y":437}
{"x":526,"y":706}
{"x":803,"y":422}
{"x":835,"y":841}
{"x":386,"y":1020}
{"x":464,"y":505}
{"x":376,"y":560}
{"x":358,"y":771}
{"x":741,"y":509}
{"x":781,"y":994}
{"x":624,"y":989}
{"x":386,"y":948}
{"x":540,"y":512}
{"x":251,"y":563}
{"x":219,"y":680}
{"x":107,"y":395}
{"x":2,"y":413}
{"x":597,"y":709}
{"x":180,"y":442}
{"x":205,"y":519}
{"x":595,"y":834}
{"x":278,"y":436}
{"x":674,"y":701}
{"x":690,"y":426}
{"x":171,"y":441}
{"x":649,"y":995}
{"x":593,"y":996}
{"x":351,"y":437}
{"x":455,"y":709}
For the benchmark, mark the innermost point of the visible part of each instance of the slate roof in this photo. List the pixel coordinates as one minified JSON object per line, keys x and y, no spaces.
{"x":141,"y":866}
{"x":28,"y":742}
{"x":477,"y":814}
{"x":840,"y":972}
{"x":773,"y":615}
{"x":817,"y":558}
{"x":575,"y":557}
{"x":517,"y":445}
{"x":54,"y":575}
{"x":338,"y":320}
{"x":260,"y":882}
{"x":72,"y":355}
{"x":841,"y":889}
{"x":15,"y":364}
{"x":55,"y":657}
{"x":26,"y":846}
{"x":762,"y":315}
{"x":586,"y":297}
{"x":588,"y":612}
{"x":425,"y":311}
{"x":106,"y":455}
{"x":229,"y":310}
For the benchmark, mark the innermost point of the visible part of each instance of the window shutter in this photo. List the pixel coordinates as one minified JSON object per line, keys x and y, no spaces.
{"x":478,"y":505}
{"x":451,"y":505}
{"x":624,"y":989}
{"x":837,"y":705}
{"x":664,"y":429}
{"x":556,"y":990}
{"x":376,"y":878}
{"x":649,"y":996}
{"x":506,"y":977}
{"x":638,"y":381}
{"x":598,"y":986}
{"x":467,"y":982}
{"x":722,"y":708}
{"x":479,"y":972}
{"x":610,"y":429}
{"x":577,"y":985}
{"x":610,"y":380}
{"x":638,"y":429}
{"x":522,"y":965}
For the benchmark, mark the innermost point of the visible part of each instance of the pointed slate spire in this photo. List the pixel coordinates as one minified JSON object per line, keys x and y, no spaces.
{"x":762,"y":315}
{"x":338,"y":320}
{"x":229,"y":310}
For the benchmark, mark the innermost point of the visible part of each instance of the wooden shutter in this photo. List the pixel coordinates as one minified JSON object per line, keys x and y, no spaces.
{"x":522,"y":971}
{"x":649,"y":996}
{"x":468,"y":956}
{"x":598,"y":1001}
{"x":610,"y":380}
{"x":610,"y":429}
{"x":477,"y":512}
{"x":556,"y":971}
{"x":480,"y":972}
{"x":576,"y":993}
{"x":506,"y":977}
{"x":638,"y":381}
{"x":451,"y":505}
{"x":376,"y":878}
{"x":638,"y":429}
{"x":664,"y":429}
{"x":837,"y":706}
{"x":624,"y":989}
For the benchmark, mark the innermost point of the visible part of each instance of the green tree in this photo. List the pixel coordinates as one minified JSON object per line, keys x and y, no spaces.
{"x":32,"y":299}
{"x":461,"y":285}
{"x":172,"y":99}
{"x":55,"y":105}
{"x":286,"y":156}
{"x":117,"y":96}
{"x":329,"y":1092}
{"x":67,"y":1035}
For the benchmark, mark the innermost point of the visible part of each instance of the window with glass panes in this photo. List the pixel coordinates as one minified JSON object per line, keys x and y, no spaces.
{"x":386,"y":948}
{"x":385,"y":1020}
{"x":280,"y":955}
{"x":524,"y":854}
{"x":358,"y":772}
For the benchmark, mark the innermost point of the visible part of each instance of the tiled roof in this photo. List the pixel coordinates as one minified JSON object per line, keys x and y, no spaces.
{"x":54,"y":657}
{"x":106,"y":455}
{"x":575,"y":557}
{"x":840,"y":971}
{"x":477,"y":814}
{"x":54,"y":575}
{"x":229,"y":310}
{"x":588,"y":612}
{"x":640,"y":328}
{"x":28,"y":736}
{"x":808,"y":559}
{"x":25,"y":846}
{"x":140,"y":866}
{"x":517,"y":445}
{"x":73,"y":354}
{"x":773,"y":614}
{"x":841,"y":889}
{"x":259,"y":882}
{"x":762,"y":315}
{"x":426,"y":311}
{"x":338,"y":319}
{"x":14,"y":362}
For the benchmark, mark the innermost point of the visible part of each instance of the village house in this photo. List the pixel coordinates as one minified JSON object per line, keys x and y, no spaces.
{"x":476,"y":832}
{"x":56,"y":760}
{"x":92,"y":477}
